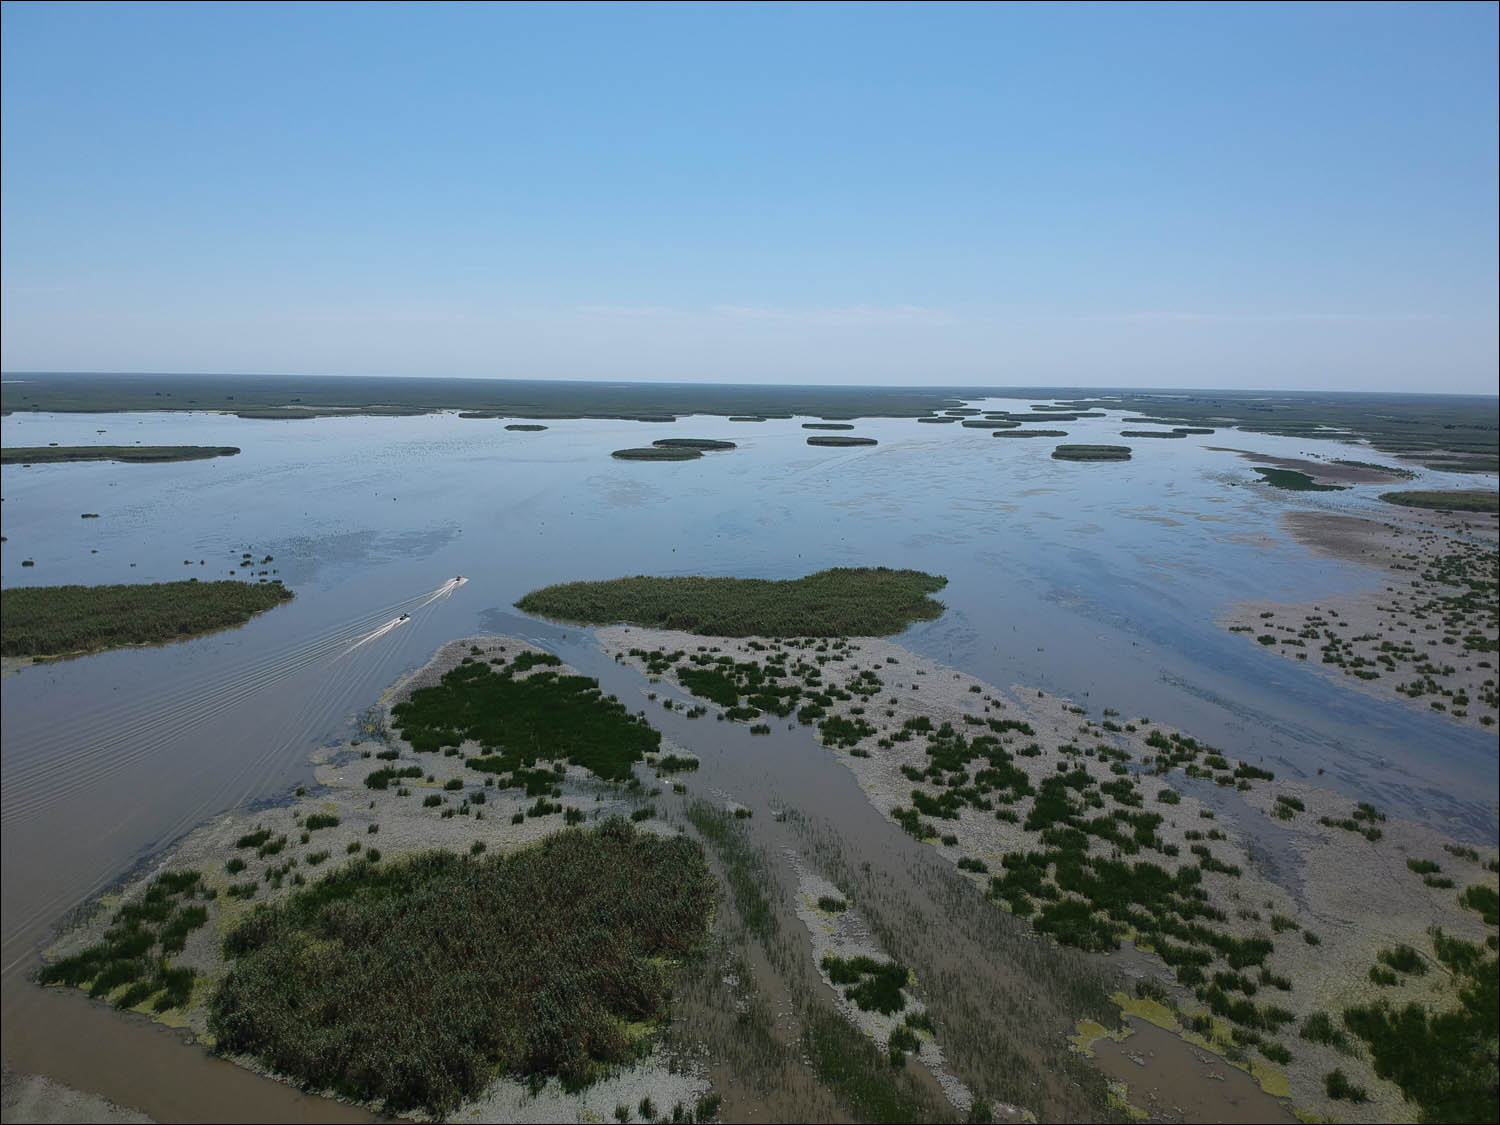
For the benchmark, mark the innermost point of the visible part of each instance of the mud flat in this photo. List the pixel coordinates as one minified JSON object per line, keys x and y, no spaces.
{"x":376,"y":802}
{"x":1336,"y":471}
{"x":1426,"y":636}
{"x":1269,"y":919}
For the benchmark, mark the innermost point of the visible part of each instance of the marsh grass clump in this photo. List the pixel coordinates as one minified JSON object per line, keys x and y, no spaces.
{"x":1091,"y":453}
{"x":531,"y":963}
{"x":1293,"y":481}
{"x":657,"y":453}
{"x":865,"y":601}
{"x":139,"y":454}
{"x":518,"y":720}
{"x":164,"y":916}
{"x":873,"y":985}
{"x":840,"y":440}
{"x":706,"y":444}
{"x":57,"y":620}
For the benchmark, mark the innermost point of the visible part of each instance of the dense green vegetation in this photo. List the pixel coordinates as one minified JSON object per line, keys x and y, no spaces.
{"x":413,"y":982}
{"x":873,"y":985}
{"x":840,"y":440}
{"x":656,"y":453}
{"x":1444,"y":1061}
{"x":1293,"y":481}
{"x":827,"y":426}
{"x":843,"y":601}
{"x":525,"y":428}
{"x":1154,"y":433}
{"x":45,"y":454}
{"x":1030,"y":433}
{"x":1092,"y":453}
{"x":138,"y":946}
{"x":989,"y":424}
{"x":56,"y":620}
{"x":519,"y":720}
{"x":1467,"y":500}
{"x":692,"y":443}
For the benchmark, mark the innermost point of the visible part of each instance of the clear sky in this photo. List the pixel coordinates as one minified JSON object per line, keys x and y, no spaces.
{"x":1180,"y":195}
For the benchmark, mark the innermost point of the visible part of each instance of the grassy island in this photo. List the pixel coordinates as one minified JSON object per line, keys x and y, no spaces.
{"x":844,"y":601}
{"x":413,"y":982}
{"x":1459,"y":500}
{"x":840,"y":440}
{"x":1030,"y":433}
{"x":827,"y":426}
{"x":49,"y":454}
{"x":64,"y":620}
{"x":525,"y":428}
{"x":1092,"y":453}
{"x":989,"y":423}
{"x":938,"y":419}
{"x":657,"y":453}
{"x":692,"y":443}
{"x":1174,"y":433}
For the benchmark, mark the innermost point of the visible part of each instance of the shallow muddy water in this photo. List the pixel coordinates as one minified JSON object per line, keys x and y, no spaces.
{"x":1096,"y":581}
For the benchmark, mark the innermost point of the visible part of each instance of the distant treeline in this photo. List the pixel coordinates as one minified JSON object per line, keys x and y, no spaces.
{"x":56,"y":620}
{"x":43,"y":454}
{"x":845,"y":601}
{"x":275,"y":396}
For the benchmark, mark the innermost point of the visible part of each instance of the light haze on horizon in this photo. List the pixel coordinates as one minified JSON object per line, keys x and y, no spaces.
{"x":1235,"y":196}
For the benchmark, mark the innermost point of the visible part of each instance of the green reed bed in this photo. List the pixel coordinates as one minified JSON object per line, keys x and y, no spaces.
{"x":136,"y":454}
{"x":519,"y":721}
{"x":56,"y":620}
{"x":843,"y":601}
{"x":412,"y":983}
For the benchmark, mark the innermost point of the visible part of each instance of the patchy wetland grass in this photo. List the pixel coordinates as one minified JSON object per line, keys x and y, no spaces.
{"x":1030,"y":433}
{"x":840,"y":441}
{"x":43,"y":621}
{"x":842,"y":601}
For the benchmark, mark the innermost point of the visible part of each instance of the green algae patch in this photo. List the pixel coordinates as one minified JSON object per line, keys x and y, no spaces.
{"x":1118,"y":1098}
{"x":1090,"y":1032}
{"x":1152,"y":1011}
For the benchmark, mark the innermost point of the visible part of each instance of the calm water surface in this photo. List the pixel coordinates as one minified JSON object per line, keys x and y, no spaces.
{"x":1098,"y":581}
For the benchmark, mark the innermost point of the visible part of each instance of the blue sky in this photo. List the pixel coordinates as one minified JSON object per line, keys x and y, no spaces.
{"x":1135,"y":195}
